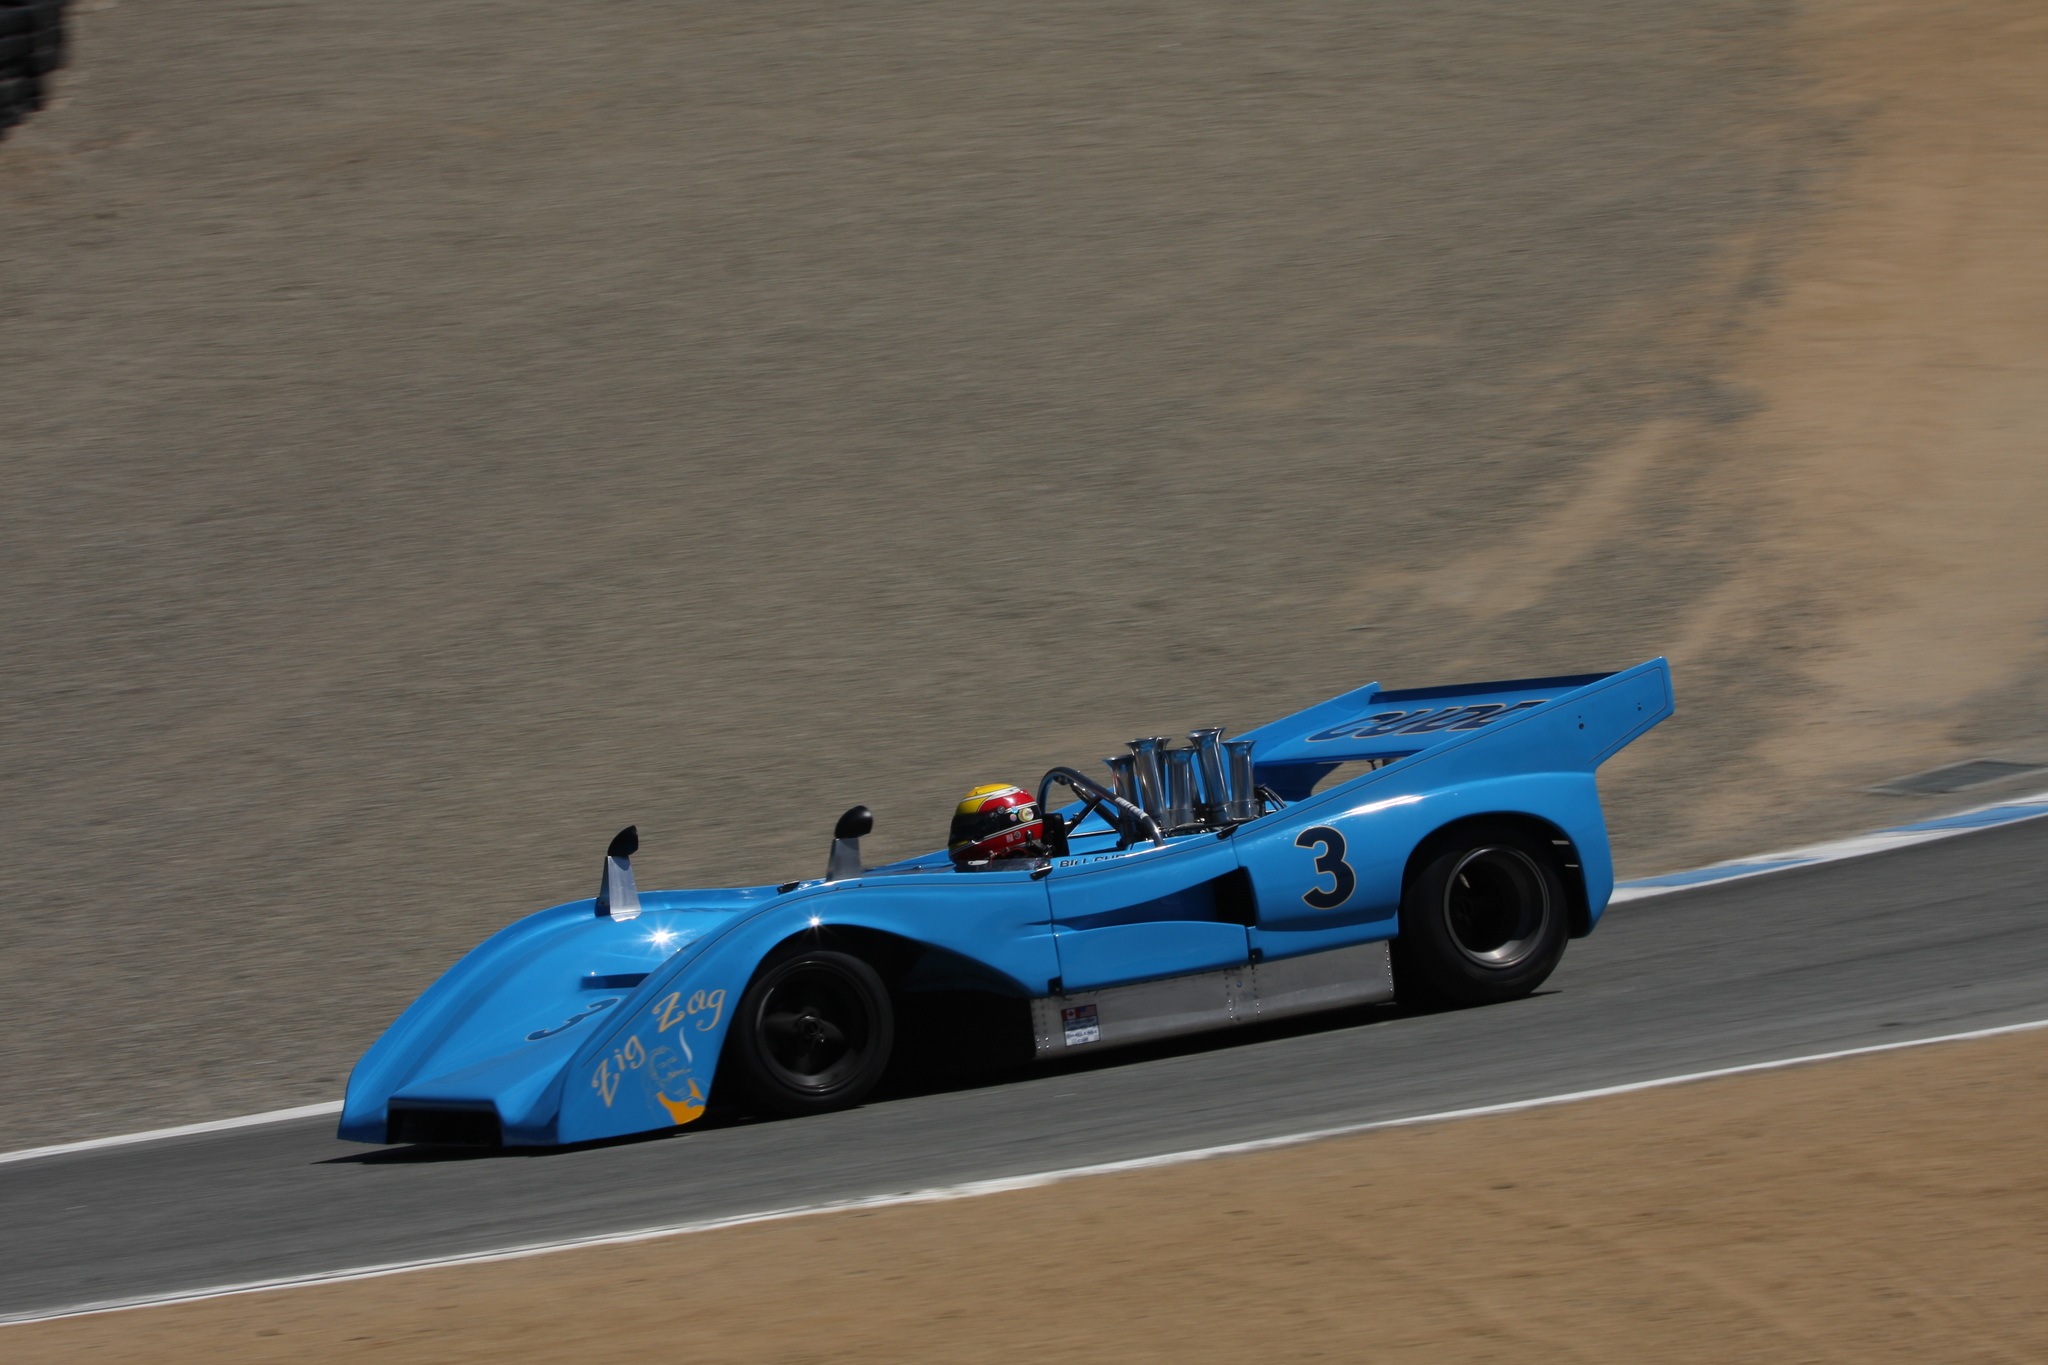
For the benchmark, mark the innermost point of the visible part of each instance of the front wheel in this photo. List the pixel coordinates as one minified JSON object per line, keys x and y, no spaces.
{"x":813,"y":1033}
{"x":1483,"y":922}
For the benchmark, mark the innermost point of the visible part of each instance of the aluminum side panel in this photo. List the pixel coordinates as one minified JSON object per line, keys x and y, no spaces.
{"x":1117,"y":1015}
{"x":1360,"y":975}
{"x":1087,"y":1021}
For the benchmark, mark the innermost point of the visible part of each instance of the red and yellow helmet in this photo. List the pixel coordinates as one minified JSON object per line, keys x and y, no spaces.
{"x":996,"y":821}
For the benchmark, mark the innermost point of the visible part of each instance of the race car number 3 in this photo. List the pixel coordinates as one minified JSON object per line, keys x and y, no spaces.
{"x":1329,"y":863}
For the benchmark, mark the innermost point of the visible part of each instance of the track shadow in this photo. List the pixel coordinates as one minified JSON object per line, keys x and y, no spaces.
{"x":983,"y":1051}
{"x":419,"y":1154}
{"x":928,"y":1076}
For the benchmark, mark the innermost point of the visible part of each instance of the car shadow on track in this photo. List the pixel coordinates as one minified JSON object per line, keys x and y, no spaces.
{"x":919,"y":1076}
{"x":425,"y":1154}
{"x":914,"y":1081}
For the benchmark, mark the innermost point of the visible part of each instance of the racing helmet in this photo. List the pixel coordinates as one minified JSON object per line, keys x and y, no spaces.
{"x":995,"y":821}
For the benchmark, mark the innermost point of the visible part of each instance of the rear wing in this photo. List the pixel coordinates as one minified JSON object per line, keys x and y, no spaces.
{"x":1614,"y":709}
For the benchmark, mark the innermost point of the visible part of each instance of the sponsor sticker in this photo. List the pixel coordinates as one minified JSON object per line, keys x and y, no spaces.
{"x":1424,"y":721}
{"x":1081,"y":1025}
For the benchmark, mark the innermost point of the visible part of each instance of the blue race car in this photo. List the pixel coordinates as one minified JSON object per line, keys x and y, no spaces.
{"x":1437,"y":845}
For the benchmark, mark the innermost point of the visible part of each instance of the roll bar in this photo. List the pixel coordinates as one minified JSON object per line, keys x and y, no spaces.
{"x":1131,"y":822}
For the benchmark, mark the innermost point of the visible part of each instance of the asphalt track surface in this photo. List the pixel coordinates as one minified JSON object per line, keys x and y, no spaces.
{"x":1923,"y":941}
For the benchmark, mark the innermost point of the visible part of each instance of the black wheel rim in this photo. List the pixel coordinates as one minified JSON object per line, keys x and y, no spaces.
{"x":814,"y":1027}
{"x":1497,"y":906}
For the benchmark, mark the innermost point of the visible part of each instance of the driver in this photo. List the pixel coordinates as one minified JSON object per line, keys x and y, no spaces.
{"x":996,"y":821}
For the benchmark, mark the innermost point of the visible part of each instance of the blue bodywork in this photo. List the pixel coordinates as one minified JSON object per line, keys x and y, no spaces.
{"x":569,"y":1026}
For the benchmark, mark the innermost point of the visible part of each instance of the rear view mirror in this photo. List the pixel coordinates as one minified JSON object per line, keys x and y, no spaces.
{"x":617,"y":895}
{"x":857,"y":823}
{"x":846,"y":837}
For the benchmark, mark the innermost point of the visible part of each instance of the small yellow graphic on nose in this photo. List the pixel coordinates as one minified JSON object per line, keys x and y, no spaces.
{"x":683,"y":1111}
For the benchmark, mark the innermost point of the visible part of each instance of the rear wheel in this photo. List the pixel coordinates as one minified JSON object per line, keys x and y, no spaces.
{"x":1483,"y":921}
{"x":813,"y":1033}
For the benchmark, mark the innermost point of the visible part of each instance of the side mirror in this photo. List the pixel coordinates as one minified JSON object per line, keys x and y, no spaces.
{"x":616,"y":894}
{"x":846,"y":836}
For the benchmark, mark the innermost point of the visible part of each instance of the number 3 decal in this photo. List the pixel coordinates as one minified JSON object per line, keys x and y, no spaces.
{"x":1329,"y":863}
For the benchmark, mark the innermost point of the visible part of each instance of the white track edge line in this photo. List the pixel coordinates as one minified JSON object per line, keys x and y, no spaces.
{"x":304,"y":1111}
{"x":1833,"y":851}
{"x":1855,"y":846}
{"x":977,"y":1188}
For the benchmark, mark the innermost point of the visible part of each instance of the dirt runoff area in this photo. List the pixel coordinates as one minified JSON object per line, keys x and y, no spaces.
{"x":1884,"y":1208}
{"x":1898,"y":464}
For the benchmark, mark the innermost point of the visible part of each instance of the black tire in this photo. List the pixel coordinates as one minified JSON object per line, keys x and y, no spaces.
{"x":16,"y":19}
{"x":16,"y":50}
{"x":813,"y":1033}
{"x":1484,"y":920}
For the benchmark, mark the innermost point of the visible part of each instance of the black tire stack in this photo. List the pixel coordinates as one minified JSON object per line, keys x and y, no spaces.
{"x":31,"y":47}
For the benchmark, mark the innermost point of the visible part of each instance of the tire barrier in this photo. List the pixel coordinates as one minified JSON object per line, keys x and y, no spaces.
{"x":32,"y":45}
